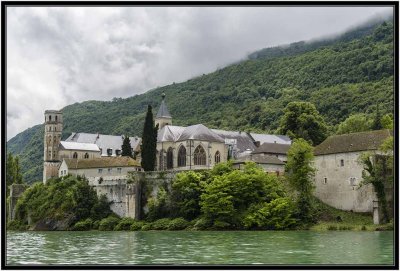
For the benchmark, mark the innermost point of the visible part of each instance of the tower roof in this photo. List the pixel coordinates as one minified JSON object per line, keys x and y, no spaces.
{"x":163,"y":110}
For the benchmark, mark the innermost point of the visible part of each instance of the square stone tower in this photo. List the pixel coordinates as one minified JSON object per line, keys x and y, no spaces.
{"x":52,"y":137}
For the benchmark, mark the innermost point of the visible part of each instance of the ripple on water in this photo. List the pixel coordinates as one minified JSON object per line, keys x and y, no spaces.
{"x":198,"y":248}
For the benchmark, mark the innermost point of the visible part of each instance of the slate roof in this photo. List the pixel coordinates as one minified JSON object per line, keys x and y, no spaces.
{"x":163,"y":111}
{"x":260,"y":160}
{"x":274,"y":148}
{"x":104,"y":141}
{"x":263,"y":138}
{"x":363,"y":141}
{"x":104,"y":162}
{"x":169,"y":133}
{"x":199,"y":132}
{"x":243,"y":141}
{"x":64,"y":145}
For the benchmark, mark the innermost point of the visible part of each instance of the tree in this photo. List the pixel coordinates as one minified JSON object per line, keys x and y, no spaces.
{"x":149,"y":142}
{"x":126,"y":147}
{"x":13,"y":171}
{"x":387,"y":121}
{"x":226,"y":199}
{"x":376,"y":124}
{"x":378,"y":171}
{"x":302,"y":120}
{"x":353,"y":124}
{"x":299,"y":173}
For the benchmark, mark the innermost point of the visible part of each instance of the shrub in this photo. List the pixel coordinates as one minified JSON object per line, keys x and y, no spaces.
{"x":219,"y":225}
{"x":16,"y":225}
{"x":332,"y":228}
{"x":108,"y":224}
{"x":137,"y":225}
{"x":345,"y":228}
{"x":363,"y":228}
{"x":277,"y":215}
{"x":161,"y":224}
{"x":202,"y":223}
{"x":178,"y":224}
{"x":95,"y":225}
{"x":146,"y":227}
{"x":158,"y":206}
{"x":124,"y":224}
{"x":83,"y":225}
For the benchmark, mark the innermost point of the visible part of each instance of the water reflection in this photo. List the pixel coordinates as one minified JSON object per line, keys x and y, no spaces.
{"x":210,"y":247}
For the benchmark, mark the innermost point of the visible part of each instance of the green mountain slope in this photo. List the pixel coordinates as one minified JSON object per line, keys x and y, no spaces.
{"x":346,"y":76}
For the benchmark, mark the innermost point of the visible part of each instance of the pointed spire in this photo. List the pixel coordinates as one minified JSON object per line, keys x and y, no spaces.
{"x":163,"y":110}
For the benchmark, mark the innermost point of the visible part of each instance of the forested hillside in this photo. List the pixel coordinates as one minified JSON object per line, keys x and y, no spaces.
{"x":341,"y":76}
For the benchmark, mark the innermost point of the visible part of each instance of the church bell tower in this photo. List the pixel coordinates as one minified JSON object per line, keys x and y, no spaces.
{"x":52,"y":137}
{"x":163,"y":117}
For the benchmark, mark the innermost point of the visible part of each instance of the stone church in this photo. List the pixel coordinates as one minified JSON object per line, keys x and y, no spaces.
{"x":178,"y":147}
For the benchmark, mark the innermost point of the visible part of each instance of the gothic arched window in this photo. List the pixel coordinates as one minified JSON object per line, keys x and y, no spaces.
{"x":199,"y":156}
{"x":75,"y":155}
{"x":217,"y":157}
{"x":182,"y":157}
{"x":161,"y":165}
{"x":86,"y":155}
{"x":170,"y":163}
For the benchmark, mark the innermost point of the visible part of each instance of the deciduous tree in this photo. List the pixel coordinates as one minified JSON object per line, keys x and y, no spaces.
{"x":302,"y":120}
{"x":299,"y":173}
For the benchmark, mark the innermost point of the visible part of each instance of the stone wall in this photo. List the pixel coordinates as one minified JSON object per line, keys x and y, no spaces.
{"x":337,"y":182}
{"x":16,"y":191}
{"x":148,"y":185}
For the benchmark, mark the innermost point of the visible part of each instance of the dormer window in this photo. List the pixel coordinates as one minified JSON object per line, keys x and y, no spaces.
{"x":117,"y":152}
{"x":109,"y":152}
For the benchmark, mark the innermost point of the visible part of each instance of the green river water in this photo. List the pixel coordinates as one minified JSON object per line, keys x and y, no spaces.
{"x":200,"y":247}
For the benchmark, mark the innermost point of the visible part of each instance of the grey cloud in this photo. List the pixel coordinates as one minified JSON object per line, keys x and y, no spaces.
{"x":59,"y":55}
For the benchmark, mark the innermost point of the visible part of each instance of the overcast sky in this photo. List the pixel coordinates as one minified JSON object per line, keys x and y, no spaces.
{"x":62,"y":55}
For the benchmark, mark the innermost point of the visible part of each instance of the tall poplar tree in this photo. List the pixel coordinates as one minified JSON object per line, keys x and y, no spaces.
{"x":300,"y":172}
{"x":149,"y":142}
{"x":126,"y":147}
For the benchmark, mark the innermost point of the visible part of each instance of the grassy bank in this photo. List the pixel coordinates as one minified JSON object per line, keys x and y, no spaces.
{"x":331,"y":219}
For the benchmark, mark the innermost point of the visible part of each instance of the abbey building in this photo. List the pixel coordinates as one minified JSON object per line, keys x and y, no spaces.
{"x":178,"y":148}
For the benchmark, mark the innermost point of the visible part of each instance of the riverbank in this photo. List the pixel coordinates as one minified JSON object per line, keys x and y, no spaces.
{"x":331,"y":219}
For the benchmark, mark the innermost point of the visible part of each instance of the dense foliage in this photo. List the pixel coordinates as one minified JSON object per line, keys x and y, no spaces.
{"x":149,"y":142}
{"x":378,"y":171}
{"x":126,"y":147}
{"x":61,"y":197}
{"x":299,"y":173}
{"x":341,"y":77}
{"x":223,"y":198}
{"x":354,"y":124}
{"x":13,"y":172}
{"x":302,"y":120}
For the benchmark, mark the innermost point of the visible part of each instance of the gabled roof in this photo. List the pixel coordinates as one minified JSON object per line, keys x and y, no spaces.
{"x":243,"y":141}
{"x":363,"y":141}
{"x":260,"y":160}
{"x":199,"y":132}
{"x":64,"y":145}
{"x":104,"y":142}
{"x":105,"y":162}
{"x":163,"y":111}
{"x":263,"y":138}
{"x":169,"y":133}
{"x":274,"y":148}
